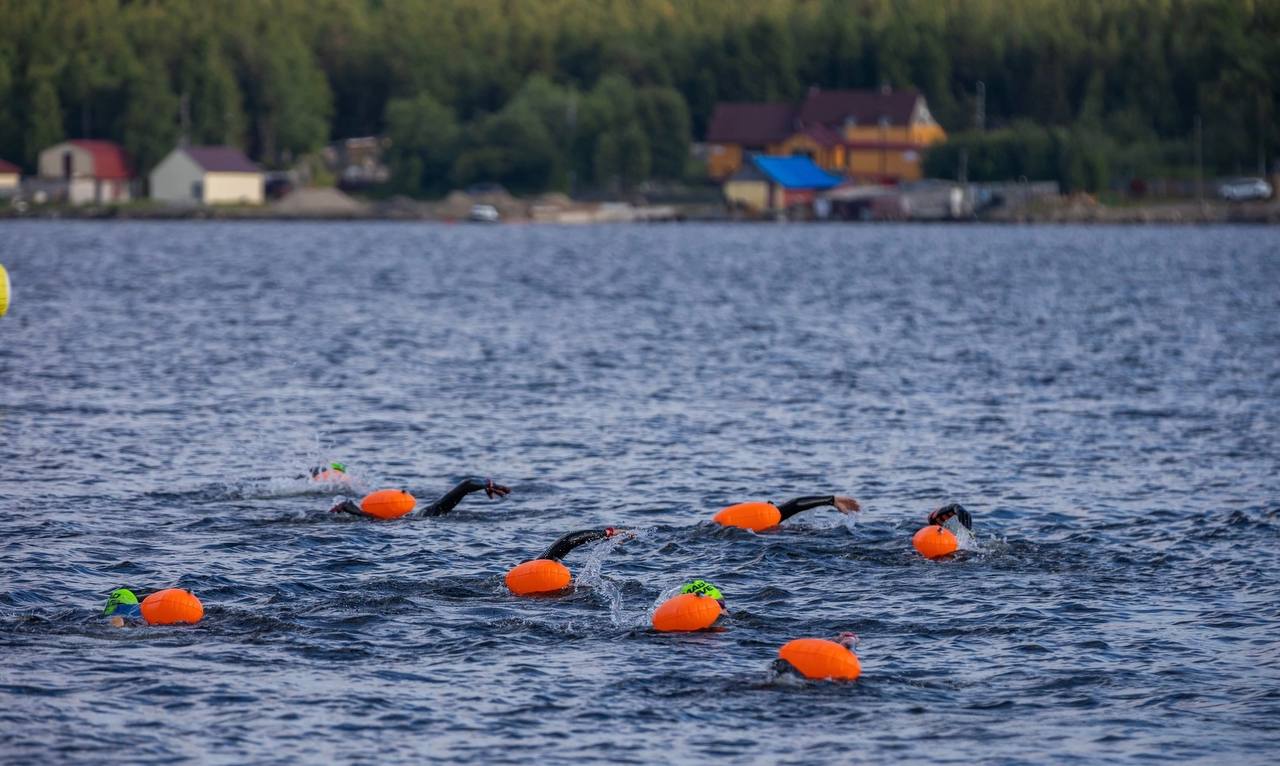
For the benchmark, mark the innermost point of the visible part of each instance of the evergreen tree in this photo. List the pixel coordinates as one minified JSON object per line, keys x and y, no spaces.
{"x":150,"y":121}
{"x":424,"y":138}
{"x":43,"y":118}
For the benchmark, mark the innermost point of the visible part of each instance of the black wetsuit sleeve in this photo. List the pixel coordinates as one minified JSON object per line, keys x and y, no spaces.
{"x":560,"y":548}
{"x":348,"y":506}
{"x":792,"y":507}
{"x":451,"y":498}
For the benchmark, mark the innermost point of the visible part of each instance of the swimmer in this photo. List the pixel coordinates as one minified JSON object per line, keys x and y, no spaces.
{"x":123,"y":607}
{"x":171,"y":606}
{"x":545,"y":574}
{"x":440,"y":507}
{"x":818,"y":658}
{"x":952,"y":518}
{"x":698,"y":606}
{"x":758,"y":516}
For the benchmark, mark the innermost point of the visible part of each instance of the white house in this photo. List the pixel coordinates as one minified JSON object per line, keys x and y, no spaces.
{"x":207,"y":175}
{"x":86,"y":171}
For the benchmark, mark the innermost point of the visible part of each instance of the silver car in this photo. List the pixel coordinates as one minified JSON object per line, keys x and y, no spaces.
{"x":484,"y":214}
{"x":1242,"y":189}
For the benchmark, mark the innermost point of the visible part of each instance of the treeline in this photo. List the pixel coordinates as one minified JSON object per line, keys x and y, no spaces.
{"x":541,"y":93}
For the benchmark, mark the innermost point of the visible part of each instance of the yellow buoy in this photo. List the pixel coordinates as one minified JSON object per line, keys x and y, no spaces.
{"x":4,"y":290}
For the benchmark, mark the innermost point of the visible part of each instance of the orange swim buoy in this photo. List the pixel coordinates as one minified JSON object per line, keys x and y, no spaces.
{"x":687,"y":612}
{"x":538,"y":576}
{"x":935,"y":542}
{"x":171,"y":606}
{"x":753,"y":516}
{"x":387,"y":503}
{"x":819,"y":658}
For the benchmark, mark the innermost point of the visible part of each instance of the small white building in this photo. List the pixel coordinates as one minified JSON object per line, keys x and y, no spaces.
{"x":207,"y":175}
{"x":85,"y":171}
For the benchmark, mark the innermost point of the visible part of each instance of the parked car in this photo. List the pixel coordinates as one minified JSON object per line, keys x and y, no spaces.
{"x":484,"y":214}
{"x":1242,"y":189}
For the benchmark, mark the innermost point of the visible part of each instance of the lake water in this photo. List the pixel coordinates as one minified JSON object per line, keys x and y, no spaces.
{"x":1105,"y":401}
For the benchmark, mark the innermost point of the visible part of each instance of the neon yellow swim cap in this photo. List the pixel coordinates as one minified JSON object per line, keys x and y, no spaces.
{"x":119,"y":596}
{"x":702,"y":588}
{"x":339,"y":467}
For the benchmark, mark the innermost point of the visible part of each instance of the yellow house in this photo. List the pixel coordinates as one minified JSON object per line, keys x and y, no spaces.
{"x":207,"y":175}
{"x":870,"y":135}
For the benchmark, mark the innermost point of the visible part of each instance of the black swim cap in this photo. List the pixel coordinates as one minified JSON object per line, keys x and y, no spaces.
{"x":947,"y":511}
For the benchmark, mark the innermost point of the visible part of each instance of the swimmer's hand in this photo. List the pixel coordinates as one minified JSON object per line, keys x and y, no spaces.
{"x":621,"y":534}
{"x":845,"y":504}
{"x":495,"y":490}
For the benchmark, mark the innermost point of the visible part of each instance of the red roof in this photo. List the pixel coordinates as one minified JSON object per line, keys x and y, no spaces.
{"x":834,"y":107}
{"x":221,"y":159}
{"x":751,"y":125}
{"x":9,"y":167}
{"x":109,"y":160}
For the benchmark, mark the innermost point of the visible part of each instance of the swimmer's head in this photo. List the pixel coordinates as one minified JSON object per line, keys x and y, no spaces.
{"x":947,"y":512}
{"x":321,"y":470}
{"x":119,"y":597}
{"x":703,"y":588}
{"x":848,"y":639}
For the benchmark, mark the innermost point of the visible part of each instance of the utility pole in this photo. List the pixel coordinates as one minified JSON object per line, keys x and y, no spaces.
{"x":184,"y":120}
{"x":1262,"y":143}
{"x":571,"y":122}
{"x":980,"y":108}
{"x":1199,"y":160}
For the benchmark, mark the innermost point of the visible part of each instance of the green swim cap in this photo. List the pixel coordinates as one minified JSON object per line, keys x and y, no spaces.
{"x":119,"y":596}
{"x":339,"y":467}
{"x":702,"y":588}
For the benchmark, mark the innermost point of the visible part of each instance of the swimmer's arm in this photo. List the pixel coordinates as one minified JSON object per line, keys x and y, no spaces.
{"x":347,"y":506}
{"x":455,"y":495}
{"x":560,"y":548}
{"x":794,"y":506}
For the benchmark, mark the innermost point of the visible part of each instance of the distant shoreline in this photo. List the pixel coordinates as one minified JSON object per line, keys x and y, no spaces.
{"x":1178,"y":213}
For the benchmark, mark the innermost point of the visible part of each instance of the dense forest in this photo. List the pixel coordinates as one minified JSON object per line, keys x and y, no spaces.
{"x":540,"y":94}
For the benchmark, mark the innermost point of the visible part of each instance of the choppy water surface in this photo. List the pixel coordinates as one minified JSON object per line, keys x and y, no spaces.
{"x":1106,"y":401}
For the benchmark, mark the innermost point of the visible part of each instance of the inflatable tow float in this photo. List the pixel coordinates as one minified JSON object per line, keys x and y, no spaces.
{"x":820,"y":659}
{"x":538,"y":576}
{"x":5,"y":289}
{"x":172,"y":606}
{"x":388,"y":503}
{"x":698,"y":606}
{"x":754,"y":516}
{"x":934,"y":542}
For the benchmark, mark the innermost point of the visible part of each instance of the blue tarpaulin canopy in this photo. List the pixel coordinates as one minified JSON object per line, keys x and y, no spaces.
{"x":795,"y":172}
